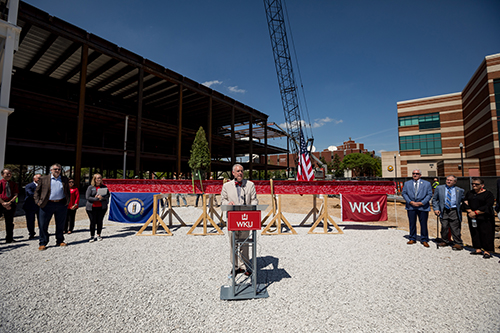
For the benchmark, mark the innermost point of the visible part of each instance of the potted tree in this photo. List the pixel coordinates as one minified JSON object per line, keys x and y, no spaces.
{"x":199,"y":162}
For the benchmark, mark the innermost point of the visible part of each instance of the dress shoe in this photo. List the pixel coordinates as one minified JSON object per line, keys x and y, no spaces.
{"x":443,"y":244}
{"x":457,"y":247}
{"x":62,"y":244}
{"x":10,"y":241}
{"x":486,"y":256}
{"x":411,"y":242}
{"x":476,"y":253}
{"x":237,"y":271}
{"x":42,"y":248}
{"x":32,"y":237}
{"x":425,"y":244}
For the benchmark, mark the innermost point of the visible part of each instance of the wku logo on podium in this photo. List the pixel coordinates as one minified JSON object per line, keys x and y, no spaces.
{"x":247,"y":220}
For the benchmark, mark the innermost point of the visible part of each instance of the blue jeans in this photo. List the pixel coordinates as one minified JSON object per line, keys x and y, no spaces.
{"x":59,"y":211}
{"x":422,"y":217}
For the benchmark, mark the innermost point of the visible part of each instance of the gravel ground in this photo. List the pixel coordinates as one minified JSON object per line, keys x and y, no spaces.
{"x":365,"y":280}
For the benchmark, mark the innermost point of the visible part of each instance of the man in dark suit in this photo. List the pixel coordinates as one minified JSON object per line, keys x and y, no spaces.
{"x":446,"y":204}
{"x":30,"y":207}
{"x":52,"y":195}
{"x":417,"y":194}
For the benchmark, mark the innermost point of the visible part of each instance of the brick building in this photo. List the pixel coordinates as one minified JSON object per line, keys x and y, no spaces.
{"x":440,"y":133}
{"x":348,"y":147}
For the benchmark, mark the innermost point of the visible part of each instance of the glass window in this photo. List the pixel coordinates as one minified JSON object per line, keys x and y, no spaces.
{"x":424,"y":121}
{"x":429,"y":144}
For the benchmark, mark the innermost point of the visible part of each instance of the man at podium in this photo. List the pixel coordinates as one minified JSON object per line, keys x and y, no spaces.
{"x":239,"y":191}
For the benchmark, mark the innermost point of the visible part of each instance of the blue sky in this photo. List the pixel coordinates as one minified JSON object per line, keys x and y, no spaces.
{"x":357,"y":58}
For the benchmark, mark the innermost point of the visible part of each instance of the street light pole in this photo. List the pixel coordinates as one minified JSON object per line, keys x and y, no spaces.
{"x":395,"y":167}
{"x":462,"y":157}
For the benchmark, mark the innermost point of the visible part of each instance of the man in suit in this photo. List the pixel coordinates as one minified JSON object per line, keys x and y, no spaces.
{"x":52,"y":195}
{"x":30,"y":207}
{"x":417,"y":194}
{"x":8,"y":195}
{"x":446,"y":204}
{"x":239,"y":191}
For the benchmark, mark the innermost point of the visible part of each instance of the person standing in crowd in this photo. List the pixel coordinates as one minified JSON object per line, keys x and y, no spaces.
{"x":479,"y":207}
{"x":52,"y":196}
{"x":30,"y":207}
{"x":435,"y":184}
{"x":181,"y":195}
{"x":446,"y":204}
{"x":239,"y":191}
{"x":8,"y":195}
{"x":417,"y":194}
{"x":72,"y":207}
{"x":97,"y":196}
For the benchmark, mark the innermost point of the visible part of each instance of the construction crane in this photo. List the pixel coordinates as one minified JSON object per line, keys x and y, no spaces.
{"x":286,"y":78}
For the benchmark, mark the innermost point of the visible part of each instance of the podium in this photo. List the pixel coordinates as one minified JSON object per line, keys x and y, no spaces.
{"x":243,"y":218}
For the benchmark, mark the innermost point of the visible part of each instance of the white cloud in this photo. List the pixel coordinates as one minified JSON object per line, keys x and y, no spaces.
{"x":211,"y":83}
{"x":294,"y":124}
{"x":236,"y":90}
{"x":320,"y":122}
{"x":317,"y":123}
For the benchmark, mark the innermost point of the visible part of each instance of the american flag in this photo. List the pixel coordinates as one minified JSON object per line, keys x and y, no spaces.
{"x":305,"y":171}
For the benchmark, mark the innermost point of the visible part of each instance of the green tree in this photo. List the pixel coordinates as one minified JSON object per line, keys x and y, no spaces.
{"x":336,"y":166}
{"x":199,"y":162}
{"x":361,"y":164}
{"x":378,"y":166}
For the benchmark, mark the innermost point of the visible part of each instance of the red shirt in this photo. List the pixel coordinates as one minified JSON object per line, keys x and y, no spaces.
{"x":97,"y":203}
{"x":13,"y":190}
{"x":75,"y":197}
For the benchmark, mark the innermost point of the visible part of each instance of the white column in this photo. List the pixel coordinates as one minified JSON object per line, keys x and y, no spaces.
{"x":9,"y":33}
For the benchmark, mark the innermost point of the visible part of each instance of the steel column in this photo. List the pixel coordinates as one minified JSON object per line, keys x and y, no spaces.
{"x":209,"y":134}
{"x":179,"y":133}
{"x":81,"y":114}
{"x":138,"y":128}
{"x":233,"y":155}
{"x":265,"y":148}
{"x":250,"y":148}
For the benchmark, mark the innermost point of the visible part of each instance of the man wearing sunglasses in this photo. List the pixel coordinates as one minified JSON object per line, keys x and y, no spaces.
{"x":52,"y":195}
{"x":446,"y":204}
{"x":417,"y":194}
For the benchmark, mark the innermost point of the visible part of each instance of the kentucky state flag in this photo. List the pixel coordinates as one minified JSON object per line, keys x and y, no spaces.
{"x":130,"y":207}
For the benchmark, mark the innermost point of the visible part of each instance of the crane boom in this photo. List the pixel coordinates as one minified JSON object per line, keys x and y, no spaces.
{"x":284,"y":70}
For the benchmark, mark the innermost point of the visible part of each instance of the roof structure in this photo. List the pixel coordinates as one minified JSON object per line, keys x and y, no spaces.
{"x":75,"y":95}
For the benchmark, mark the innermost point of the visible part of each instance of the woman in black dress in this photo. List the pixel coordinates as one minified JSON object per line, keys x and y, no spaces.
{"x":479,"y":207}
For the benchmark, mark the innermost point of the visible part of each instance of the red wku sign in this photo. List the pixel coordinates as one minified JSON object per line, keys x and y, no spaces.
{"x":243,"y":220}
{"x":364,"y":207}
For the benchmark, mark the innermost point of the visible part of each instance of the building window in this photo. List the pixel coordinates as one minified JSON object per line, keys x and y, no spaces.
{"x":496,"y":88}
{"x":424,"y":121}
{"x":429,"y":144}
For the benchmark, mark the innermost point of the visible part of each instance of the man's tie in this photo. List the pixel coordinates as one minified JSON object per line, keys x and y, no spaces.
{"x":7,"y":189}
{"x":416,"y":189}
{"x":238,"y":183}
{"x":447,"y":203}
